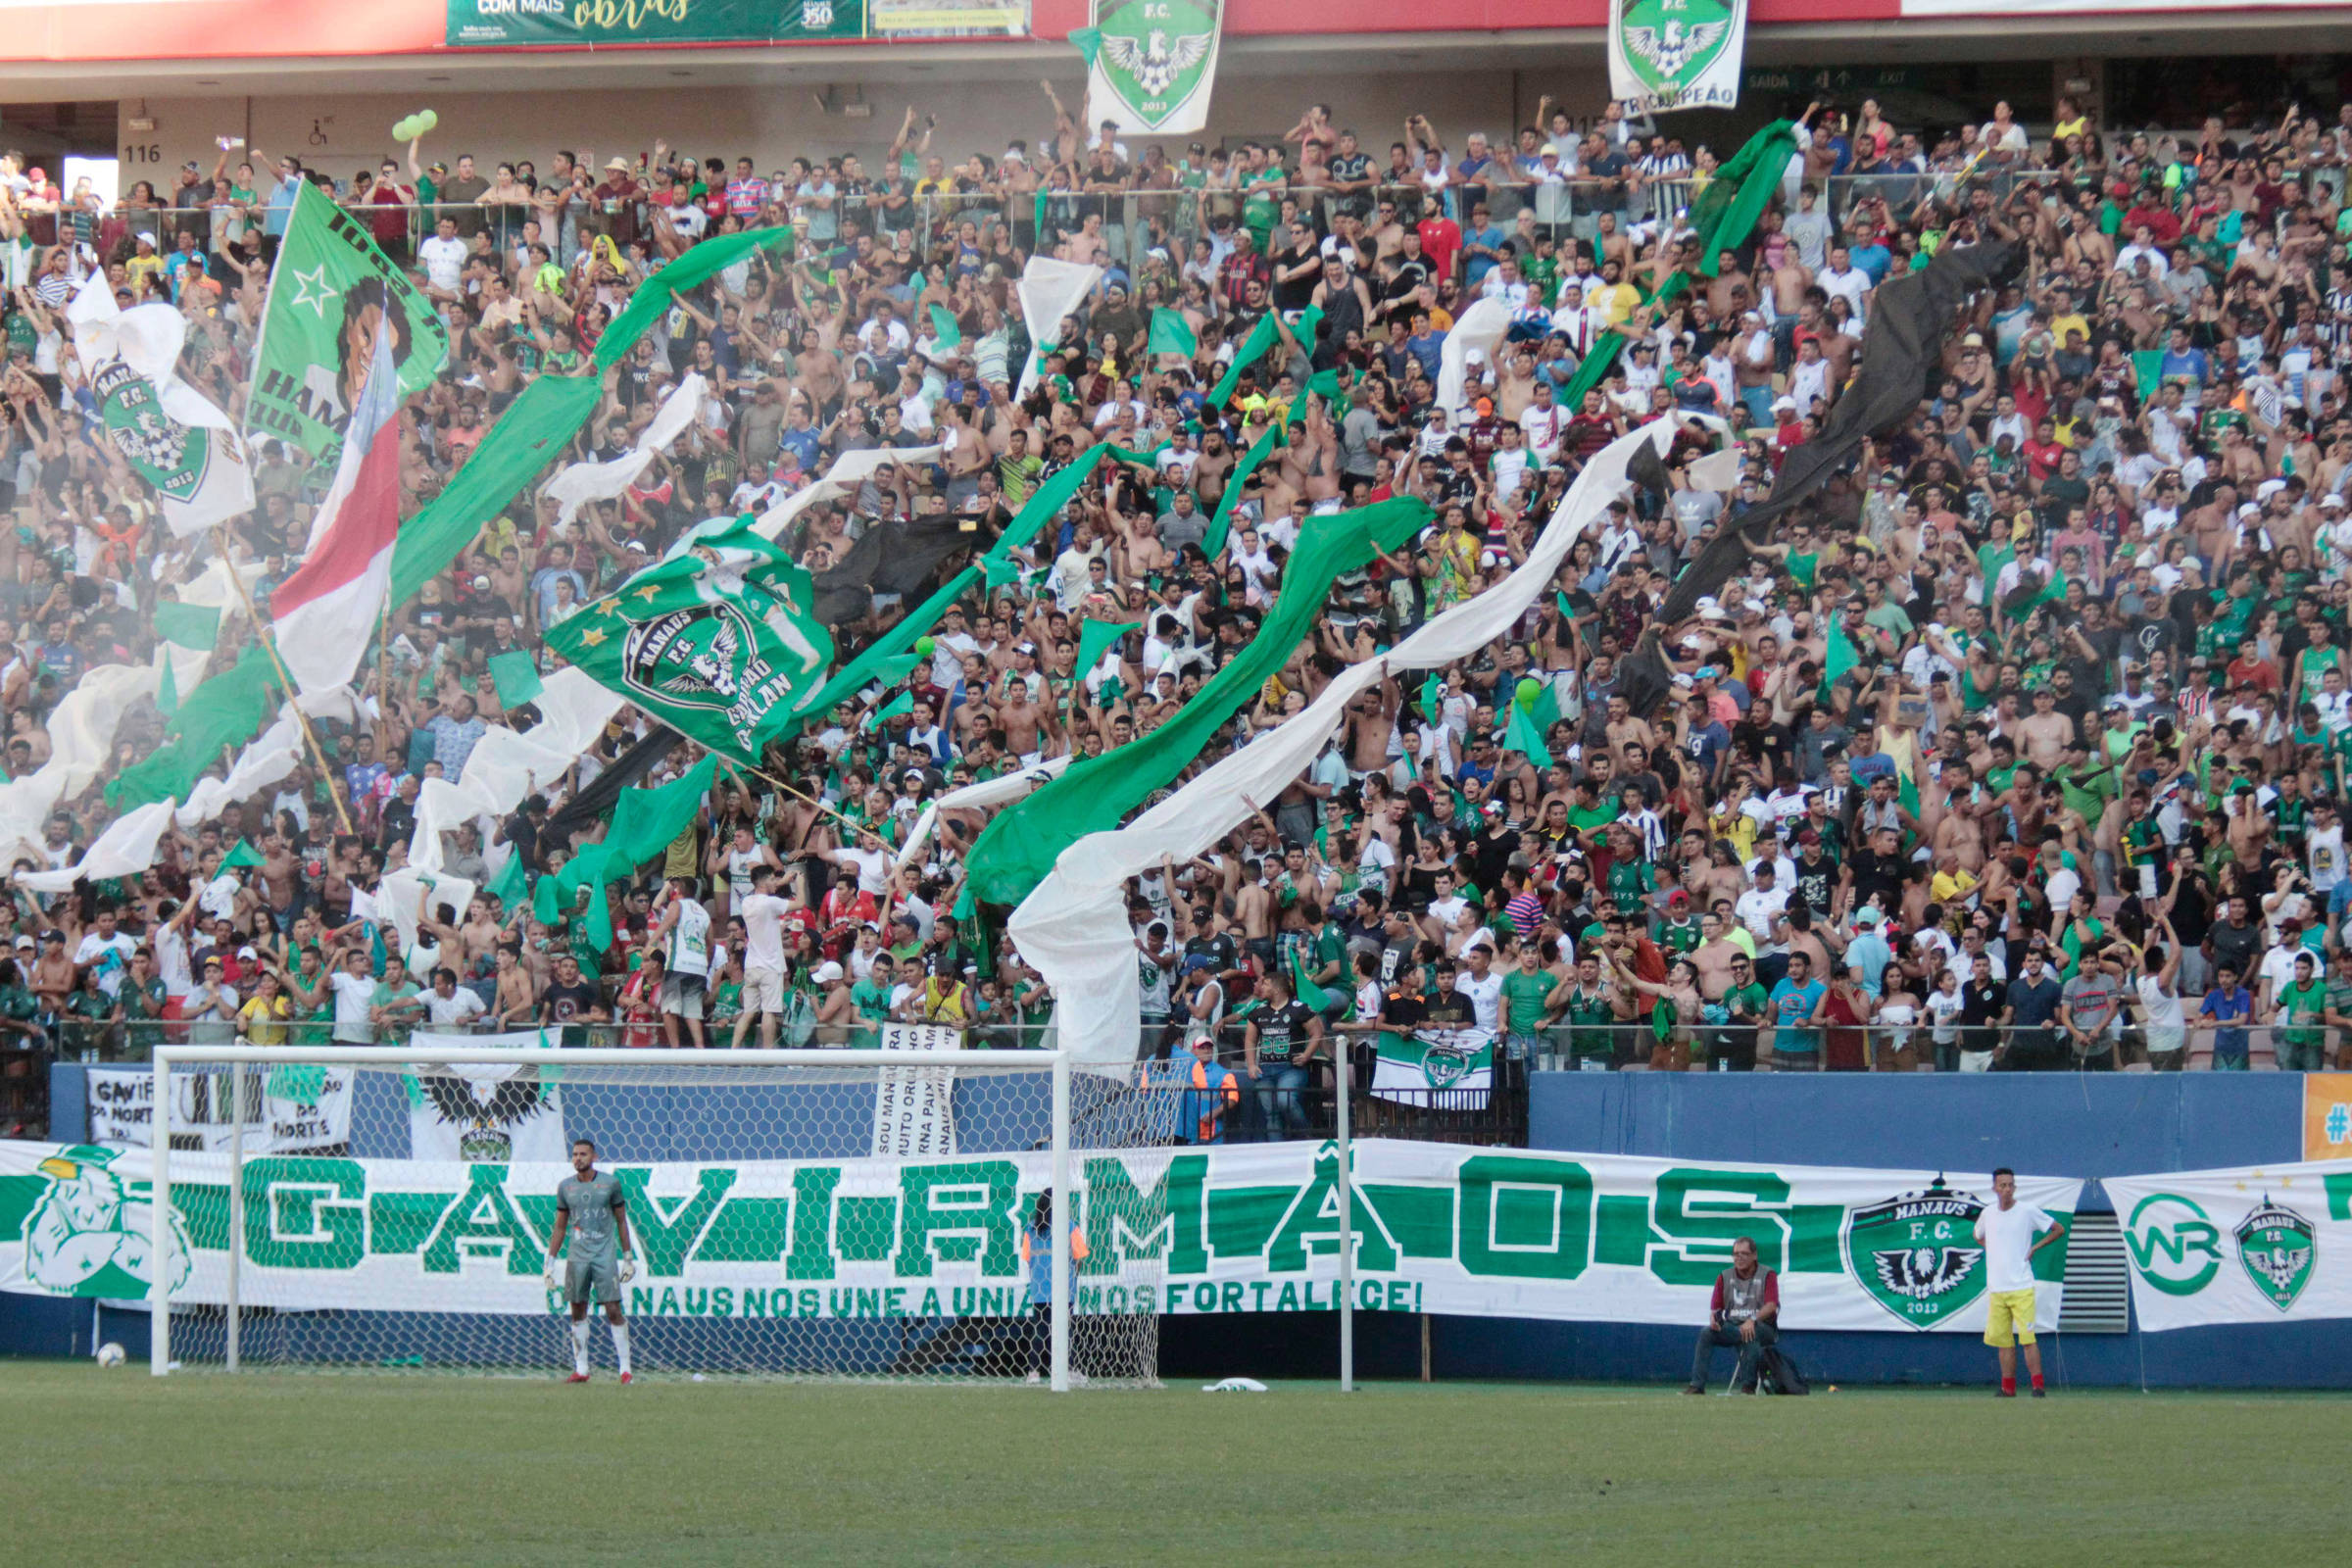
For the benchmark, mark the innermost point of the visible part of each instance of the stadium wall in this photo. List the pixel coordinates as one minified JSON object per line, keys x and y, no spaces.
{"x":2062,"y":1125}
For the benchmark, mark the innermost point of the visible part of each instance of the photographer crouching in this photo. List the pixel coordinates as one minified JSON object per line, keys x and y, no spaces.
{"x":1744,"y":1315}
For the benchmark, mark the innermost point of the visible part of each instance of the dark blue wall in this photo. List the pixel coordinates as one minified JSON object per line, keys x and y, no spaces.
{"x":2052,"y":1124}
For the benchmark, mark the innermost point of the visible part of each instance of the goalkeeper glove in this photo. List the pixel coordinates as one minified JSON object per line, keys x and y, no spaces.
{"x":628,"y":1267}
{"x":555,"y":1272}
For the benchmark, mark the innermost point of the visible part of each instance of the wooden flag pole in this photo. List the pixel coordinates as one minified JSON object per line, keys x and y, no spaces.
{"x":269,"y":642}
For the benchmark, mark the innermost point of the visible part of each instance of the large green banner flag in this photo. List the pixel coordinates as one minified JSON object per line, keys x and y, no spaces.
{"x":1259,"y":344}
{"x":1020,"y":846}
{"x":716,"y":642}
{"x":643,"y":825}
{"x":227,"y":711}
{"x":332,"y":292}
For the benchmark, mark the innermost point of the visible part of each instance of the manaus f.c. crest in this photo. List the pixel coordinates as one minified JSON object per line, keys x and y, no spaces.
{"x":2276,"y":1247}
{"x":1917,"y":1254}
{"x":698,"y":656}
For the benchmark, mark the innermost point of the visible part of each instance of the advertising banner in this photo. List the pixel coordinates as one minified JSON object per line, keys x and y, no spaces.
{"x":1252,"y":1229}
{"x":2327,"y":1115}
{"x":1666,"y":55}
{"x":509,"y":23}
{"x":2247,"y":1245}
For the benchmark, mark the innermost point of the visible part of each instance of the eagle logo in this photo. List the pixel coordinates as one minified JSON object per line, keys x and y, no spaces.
{"x":1916,"y":1254}
{"x":2275,"y":1246}
{"x":698,"y":656}
{"x":1155,"y":61}
{"x":485,"y":1108}
{"x":1671,"y":49}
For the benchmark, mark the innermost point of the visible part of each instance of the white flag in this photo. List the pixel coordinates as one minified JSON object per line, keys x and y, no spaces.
{"x":583,"y":482}
{"x":1048,"y":291}
{"x":170,"y":433}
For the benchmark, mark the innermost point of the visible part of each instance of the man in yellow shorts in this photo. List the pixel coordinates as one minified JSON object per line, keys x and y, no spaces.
{"x":2011,"y":1233}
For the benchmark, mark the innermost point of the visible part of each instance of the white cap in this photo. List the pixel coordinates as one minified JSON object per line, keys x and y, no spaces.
{"x":826,"y":972}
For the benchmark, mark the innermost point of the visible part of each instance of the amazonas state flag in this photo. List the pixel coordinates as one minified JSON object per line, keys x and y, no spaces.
{"x":326,"y":612}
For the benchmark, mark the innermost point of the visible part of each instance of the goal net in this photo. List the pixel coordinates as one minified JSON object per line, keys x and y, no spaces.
{"x":809,"y":1213}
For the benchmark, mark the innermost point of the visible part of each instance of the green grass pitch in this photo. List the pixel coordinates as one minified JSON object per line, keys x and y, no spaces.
{"x":113,"y":1468}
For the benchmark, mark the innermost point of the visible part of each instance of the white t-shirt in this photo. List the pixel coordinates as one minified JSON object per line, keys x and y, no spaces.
{"x":2008,"y":1236}
{"x":873,"y":867}
{"x":690,"y":941}
{"x":764,"y":931}
{"x":1485,"y":997}
{"x":461,"y":1006}
{"x":355,"y":995}
{"x":96,"y":948}
{"x":444,"y":261}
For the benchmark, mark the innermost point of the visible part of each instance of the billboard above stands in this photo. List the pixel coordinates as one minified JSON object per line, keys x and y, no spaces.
{"x":573,"y":23}
{"x":948,"y":19}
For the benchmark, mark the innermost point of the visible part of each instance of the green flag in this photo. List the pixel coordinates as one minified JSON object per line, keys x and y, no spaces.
{"x":716,"y":642}
{"x":517,"y":677}
{"x":1839,"y":655}
{"x":1314,"y":996}
{"x":1433,"y":697}
{"x":1522,"y":736}
{"x":945,"y":328}
{"x":1259,"y":344}
{"x":1094,"y":636}
{"x":890,"y":671}
{"x":1220,"y":521}
{"x":241,"y":854}
{"x":510,"y":886}
{"x":1171,"y":333}
{"x":330,"y":290}
{"x":227,"y":711}
{"x":643,"y":826}
{"x":1088,"y":42}
{"x":533,"y":433}
{"x":196,"y":626}
{"x":652,"y":301}
{"x":863,"y":670}
{"x":1722,"y":217}
{"x":1543,"y":709}
{"x":903,"y":702}
{"x":1021,"y":844}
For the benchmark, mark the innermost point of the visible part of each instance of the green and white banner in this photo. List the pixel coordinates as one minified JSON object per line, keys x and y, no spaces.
{"x":512,"y":24}
{"x":1151,"y":65}
{"x":331,"y":294}
{"x":487,"y":1113}
{"x":1668,"y":55}
{"x":1461,"y":1061}
{"x":1438,"y":1228}
{"x":171,"y":434}
{"x":2251,"y":1245}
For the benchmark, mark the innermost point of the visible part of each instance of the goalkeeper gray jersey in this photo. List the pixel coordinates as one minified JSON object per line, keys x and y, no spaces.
{"x":592,"y":1204}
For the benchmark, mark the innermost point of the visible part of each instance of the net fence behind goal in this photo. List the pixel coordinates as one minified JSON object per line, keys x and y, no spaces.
{"x":803,"y":1218}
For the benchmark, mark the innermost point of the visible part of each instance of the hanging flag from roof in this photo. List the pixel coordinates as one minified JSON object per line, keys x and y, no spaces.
{"x":1668,"y":55}
{"x":1150,"y":65}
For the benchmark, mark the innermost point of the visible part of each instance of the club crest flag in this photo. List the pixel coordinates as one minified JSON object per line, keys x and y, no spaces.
{"x":497,"y":1113}
{"x":171,"y":434}
{"x":1459,"y":1061}
{"x":716,"y":642}
{"x":1150,"y":65}
{"x":331,"y":294}
{"x":1667,"y":55}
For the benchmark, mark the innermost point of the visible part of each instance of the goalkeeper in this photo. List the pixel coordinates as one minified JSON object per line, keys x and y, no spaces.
{"x":591,"y":1211}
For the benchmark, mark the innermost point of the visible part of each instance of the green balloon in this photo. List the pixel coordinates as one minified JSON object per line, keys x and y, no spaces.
{"x":1530,"y":689}
{"x":429,"y":120}
{"x":404,"y":130}
{"x":924,"y":645}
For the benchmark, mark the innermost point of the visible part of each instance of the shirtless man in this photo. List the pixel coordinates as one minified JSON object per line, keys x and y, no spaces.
{"x":1370,"y":724}
{"x":281,"y":876}
{"x":1713,"y":955}
{"x":517,"y":997}
{"x":1957,"y":831}
{"x":1024,"y":724}
{"x":2046,"y":734}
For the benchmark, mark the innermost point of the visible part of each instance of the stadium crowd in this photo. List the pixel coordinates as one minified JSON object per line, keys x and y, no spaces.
{"x":2096,"y":586}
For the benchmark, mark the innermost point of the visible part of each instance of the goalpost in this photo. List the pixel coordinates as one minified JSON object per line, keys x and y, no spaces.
{"x":827,"y":1214}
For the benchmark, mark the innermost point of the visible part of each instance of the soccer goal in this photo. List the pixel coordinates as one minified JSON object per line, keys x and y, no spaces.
{"x":844,"y":1214}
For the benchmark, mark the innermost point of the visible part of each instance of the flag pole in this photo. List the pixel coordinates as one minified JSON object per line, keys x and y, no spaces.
{"x":855,"y":828}
{"x":269,"y":642}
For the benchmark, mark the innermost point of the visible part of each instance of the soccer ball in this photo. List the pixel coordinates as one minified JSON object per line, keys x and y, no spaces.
{"x":111,"y":1355}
